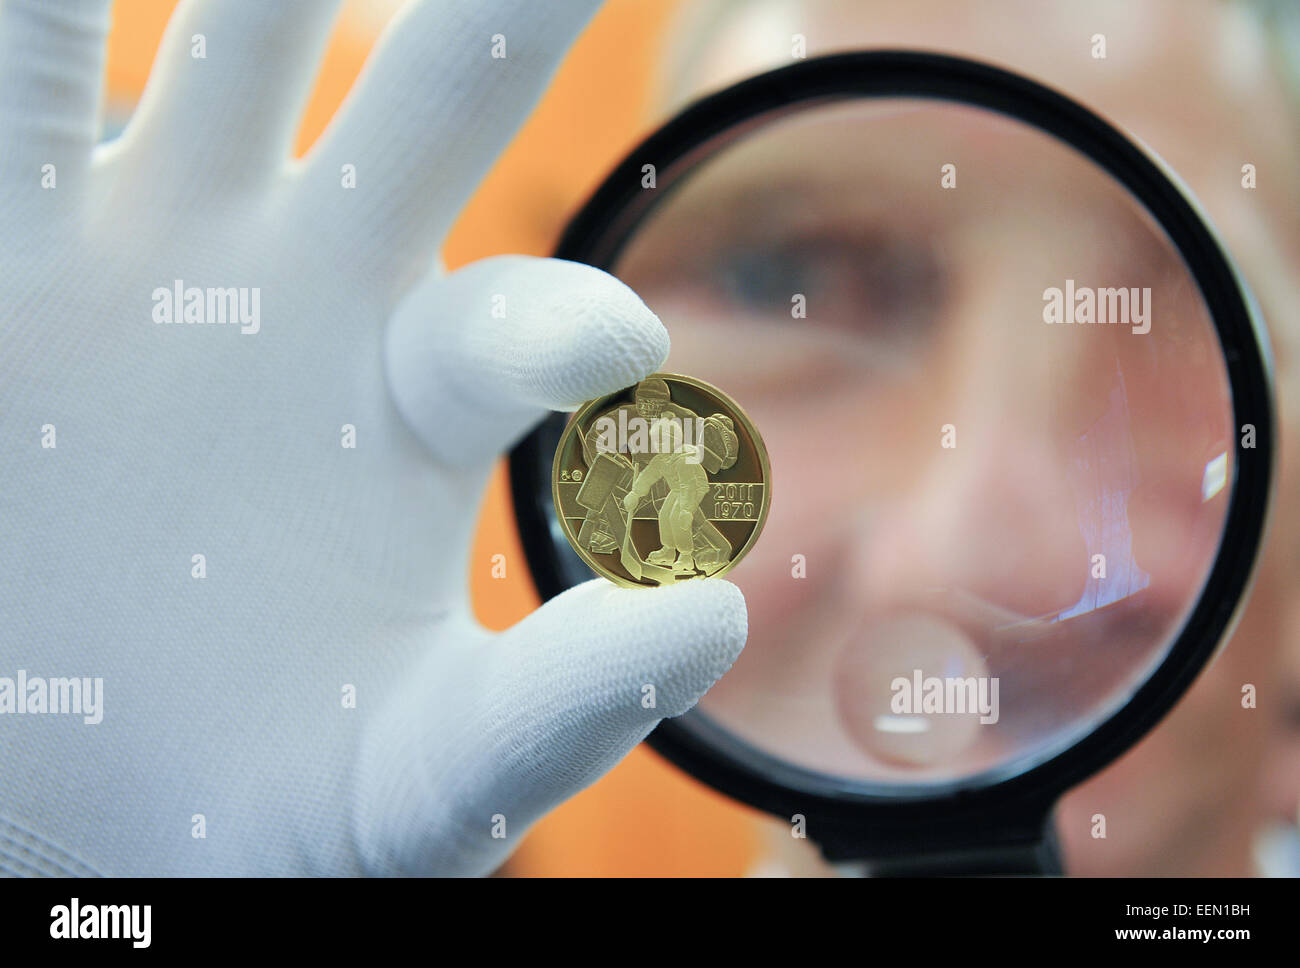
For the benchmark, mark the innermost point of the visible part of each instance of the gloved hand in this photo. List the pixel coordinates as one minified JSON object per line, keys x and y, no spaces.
{"x":130,"y":445}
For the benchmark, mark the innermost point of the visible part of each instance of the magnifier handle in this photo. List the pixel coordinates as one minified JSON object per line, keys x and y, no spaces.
{"x":1042,"y":858}
{"x":1010,"y":847}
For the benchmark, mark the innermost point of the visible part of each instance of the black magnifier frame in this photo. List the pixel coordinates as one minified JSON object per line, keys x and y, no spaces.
{"x":1003,"y":826}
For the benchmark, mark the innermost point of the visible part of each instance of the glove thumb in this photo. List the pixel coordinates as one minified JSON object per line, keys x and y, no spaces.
{"x":450,"y":783}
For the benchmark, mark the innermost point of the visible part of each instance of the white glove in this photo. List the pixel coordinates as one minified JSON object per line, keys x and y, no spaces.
{"x":226,"y":744}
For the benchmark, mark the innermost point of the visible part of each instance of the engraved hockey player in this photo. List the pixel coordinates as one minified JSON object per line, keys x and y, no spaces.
{"x":679,"y":466}
{"x":610,"y":474}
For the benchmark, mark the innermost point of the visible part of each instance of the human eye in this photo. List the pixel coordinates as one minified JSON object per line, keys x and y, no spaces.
{"x":867,"y":283}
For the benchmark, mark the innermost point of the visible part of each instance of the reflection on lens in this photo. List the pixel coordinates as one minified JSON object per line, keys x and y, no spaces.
{"x":913,"y":690}
{"x":998,"y":412}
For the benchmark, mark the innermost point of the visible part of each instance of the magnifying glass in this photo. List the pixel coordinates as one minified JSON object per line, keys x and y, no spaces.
{"x":1018,"y":402}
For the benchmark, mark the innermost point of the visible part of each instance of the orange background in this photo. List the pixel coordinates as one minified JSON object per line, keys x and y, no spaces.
{"x":645,"y":817}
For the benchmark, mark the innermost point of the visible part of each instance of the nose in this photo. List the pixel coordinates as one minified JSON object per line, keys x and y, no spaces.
{"x":1024,"y":448}
{"x":999,"y":526}
{"x":995,"y":516}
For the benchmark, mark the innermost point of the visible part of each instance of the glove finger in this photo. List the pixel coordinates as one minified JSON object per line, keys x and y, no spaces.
{"x":563,"y":696}
{"x":429,"y":114}
{"x":475,"y":358}
{"x":231,"y":113}
{"x":52,"y":56}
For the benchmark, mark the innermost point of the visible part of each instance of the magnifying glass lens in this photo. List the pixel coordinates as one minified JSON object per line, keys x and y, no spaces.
{"x":999,"y":422}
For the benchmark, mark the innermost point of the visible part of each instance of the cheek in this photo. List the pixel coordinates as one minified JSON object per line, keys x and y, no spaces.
{"x":821,"y":486}
{"x":792,"y":569}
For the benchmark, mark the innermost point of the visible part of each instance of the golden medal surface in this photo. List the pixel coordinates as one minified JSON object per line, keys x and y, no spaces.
{"x":661,"y":482}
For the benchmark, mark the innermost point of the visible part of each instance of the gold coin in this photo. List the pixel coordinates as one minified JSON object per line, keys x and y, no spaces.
{"x":664,"y":481}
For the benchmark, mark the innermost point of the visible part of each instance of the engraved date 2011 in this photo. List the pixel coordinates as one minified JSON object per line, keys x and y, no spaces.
{"x":736,"y":500}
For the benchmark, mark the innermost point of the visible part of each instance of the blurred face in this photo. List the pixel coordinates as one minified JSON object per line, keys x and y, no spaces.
{"x":997,"y":414}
